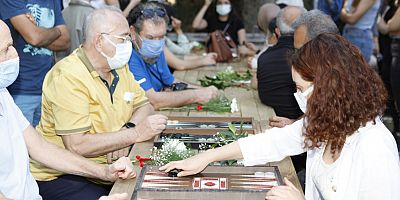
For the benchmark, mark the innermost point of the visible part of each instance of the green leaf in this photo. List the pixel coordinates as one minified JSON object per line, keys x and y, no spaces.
{"x":232,"y":128}
{"x":225,"y":79}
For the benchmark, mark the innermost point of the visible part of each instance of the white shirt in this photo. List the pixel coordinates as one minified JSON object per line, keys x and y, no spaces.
{"x":254,"y":60}
{"x":369,"y":167}
{"x":323,"y":175}
{"x":16,"y":181}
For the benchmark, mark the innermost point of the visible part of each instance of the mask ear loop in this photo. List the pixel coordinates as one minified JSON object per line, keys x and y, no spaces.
{"x":307,"y":92}
{"x":135,"y":43}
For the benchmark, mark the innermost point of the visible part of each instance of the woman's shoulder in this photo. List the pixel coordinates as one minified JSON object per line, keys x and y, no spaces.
{"x":375,"y":137}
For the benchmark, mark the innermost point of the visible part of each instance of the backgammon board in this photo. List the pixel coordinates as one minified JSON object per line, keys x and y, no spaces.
{"x":207,"y":125}
{"x":195,"y":131}
{"x":215,"y":182}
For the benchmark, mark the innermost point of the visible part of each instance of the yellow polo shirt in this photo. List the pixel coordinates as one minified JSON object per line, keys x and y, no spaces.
{"x":76,"y":100}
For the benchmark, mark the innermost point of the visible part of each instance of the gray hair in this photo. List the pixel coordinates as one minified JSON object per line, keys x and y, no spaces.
{"x":284,"y":19}
{"x":136,"y":18}
{"x":315,"y":22}
{"x":266,"y":13}
{"x":99,"y":21}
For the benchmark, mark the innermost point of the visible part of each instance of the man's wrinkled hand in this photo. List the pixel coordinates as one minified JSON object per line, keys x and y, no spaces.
{"x":206,"y":94}
{"x":209,"y":59}
{"x":150,"y":127}
{"x":279,"y":122}
{"x":122,"y":168}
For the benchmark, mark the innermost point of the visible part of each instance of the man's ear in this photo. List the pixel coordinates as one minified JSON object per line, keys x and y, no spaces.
{"x":97,"y":41}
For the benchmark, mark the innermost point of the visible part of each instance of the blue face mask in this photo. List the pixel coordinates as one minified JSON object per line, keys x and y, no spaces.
{"x":151,"y":48}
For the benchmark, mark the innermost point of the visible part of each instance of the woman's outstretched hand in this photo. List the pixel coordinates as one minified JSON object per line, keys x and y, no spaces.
{"x":189,"y":166}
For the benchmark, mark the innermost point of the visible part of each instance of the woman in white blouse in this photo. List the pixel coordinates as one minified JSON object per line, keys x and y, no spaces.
{"x":350,"y":153}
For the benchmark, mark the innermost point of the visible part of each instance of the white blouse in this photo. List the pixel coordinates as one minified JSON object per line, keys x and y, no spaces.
{"x":323,"y":175}
{"x":369,"y":166}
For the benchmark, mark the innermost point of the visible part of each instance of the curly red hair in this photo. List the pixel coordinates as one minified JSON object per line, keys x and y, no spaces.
{"x":347,"y":92}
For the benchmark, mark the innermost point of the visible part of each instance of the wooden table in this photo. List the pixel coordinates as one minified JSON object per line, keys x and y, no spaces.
{"x":249,"y":106}
{"x":256,"y":38}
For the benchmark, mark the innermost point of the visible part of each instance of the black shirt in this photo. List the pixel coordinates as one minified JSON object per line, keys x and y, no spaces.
{"x":275,"y":84}
{"x":235,"y":24}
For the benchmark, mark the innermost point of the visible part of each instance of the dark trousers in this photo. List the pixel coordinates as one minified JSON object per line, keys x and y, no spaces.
{"x":395,"y":74}
{"x":71,"y":187}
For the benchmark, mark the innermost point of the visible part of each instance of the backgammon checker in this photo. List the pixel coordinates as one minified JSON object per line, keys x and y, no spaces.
{"x":215,"y":182}
{"x":174,"y":173}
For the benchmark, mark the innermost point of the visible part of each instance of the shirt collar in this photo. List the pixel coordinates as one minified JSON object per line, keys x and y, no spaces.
{"x":82,"y":56}
{"x":350,"y":139}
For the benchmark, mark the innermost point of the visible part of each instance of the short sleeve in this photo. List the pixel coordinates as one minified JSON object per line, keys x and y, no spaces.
{"x":239,"y":24}
{"x":137,"y":67}
{"x":140,"y":99}
{"x":20,"y":118}
{"x":59,"y":20}
{"x":167,"y":76}
{"x":8,"y":104}
{"x":211,"y":18}
{"x":69,"y":102}
{"x":12,"y":8}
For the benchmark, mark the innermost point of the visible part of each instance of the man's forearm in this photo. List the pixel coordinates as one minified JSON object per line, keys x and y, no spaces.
{"x":70,"y":163}
{"x":141,"y":113}
{"x":61,"y":159}
{"x":62,"y":42}
{"x":32,"y":34}
{"x":194,"y":63}
{"x":187,"y":64}
{"x":93,"y":145}
{"x":46,"y":37}
{"x":172,"y":99}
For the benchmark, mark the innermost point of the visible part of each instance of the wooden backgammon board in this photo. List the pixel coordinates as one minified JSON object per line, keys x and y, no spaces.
{"x":215,"y":182}
{"x":201,"y":130}
{"x":207,"y":125}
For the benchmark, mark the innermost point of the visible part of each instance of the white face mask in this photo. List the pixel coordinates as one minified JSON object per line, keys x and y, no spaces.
{"x":122,"y":55}
{"x":223,"y":9}
{"x":8,"y":72}
{"x":301,"y":98}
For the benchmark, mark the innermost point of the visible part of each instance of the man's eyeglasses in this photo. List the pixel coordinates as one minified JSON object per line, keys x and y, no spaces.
{"x":124,"y":39}
{"x":149,"y":13}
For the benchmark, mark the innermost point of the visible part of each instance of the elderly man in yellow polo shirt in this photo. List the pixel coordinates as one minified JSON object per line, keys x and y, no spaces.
{"x":91,"y":103}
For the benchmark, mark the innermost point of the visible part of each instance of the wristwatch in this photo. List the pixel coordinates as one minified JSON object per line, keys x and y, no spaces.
{"x":129,"y":125}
